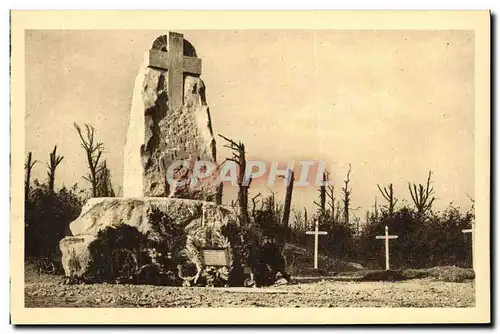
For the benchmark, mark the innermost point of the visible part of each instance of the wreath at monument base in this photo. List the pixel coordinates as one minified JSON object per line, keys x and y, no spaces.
{"x":249,"y":263}
{"x":194,"y":271}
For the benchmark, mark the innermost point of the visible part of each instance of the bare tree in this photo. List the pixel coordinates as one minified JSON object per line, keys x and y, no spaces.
{"x":322,"y":197}
{"x":423,"y":197}
{"x":339,"y":211}
{"x":298,"y":219}
{"x":54,"y":161}
{"x":94,"y":151}
{"x":330,"y":193}
{"x":239,"y":157}
{"x":346,"y":192}
{"x":357,"y":226}
{"x":299,"y":225}
{"x":388,"y":194}
{"x":104,"y":186}
{"x":28,"y":165}
{"x":271,"y":205}
{"x":254,"y":204}
{"x":367,"y":217}
{"x":375,"y":209}
{"x":470,"y":198}
{"x":306,"y":219}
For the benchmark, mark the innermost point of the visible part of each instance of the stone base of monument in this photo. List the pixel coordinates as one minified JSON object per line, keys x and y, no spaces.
{"x":100,"y":213}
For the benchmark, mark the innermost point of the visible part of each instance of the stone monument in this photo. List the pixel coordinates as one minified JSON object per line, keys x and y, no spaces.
{"x":169,"y":121}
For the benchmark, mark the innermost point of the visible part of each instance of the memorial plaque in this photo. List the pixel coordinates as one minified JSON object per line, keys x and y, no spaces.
{"x":215,"y":257}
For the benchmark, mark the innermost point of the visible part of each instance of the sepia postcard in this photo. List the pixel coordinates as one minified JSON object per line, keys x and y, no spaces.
{"x":264,"y":167}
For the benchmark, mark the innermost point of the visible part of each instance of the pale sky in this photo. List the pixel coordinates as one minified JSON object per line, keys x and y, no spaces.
{"x":394,"y":104}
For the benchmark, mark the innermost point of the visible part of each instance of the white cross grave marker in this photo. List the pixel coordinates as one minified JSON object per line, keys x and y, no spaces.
{"x":472,"y":232}
{"x":386,"y":237}
{"x":316,"y":233}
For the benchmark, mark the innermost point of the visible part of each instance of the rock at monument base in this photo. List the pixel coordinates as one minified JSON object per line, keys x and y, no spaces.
{"x":76,"y":257}
{"x":100,"y":213}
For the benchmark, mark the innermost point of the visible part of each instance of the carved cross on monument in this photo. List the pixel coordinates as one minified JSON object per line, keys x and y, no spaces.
{"x":316,"y":234}
{"x":472,"y":232}
{"x":168,"y":53}
{"x":386,"y":237}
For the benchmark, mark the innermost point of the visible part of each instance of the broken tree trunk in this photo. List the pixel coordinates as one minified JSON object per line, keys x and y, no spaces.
{"x":94,"y":151}
{"x":28,"y":166}
{"x":347,"y":197}
{"x":54,"y":161}
{"x":288,"y":201}
{"x":423,"y":198}
{"x":322,"y":197}
{"x":239,"y":157}
{"x":388,"y":194}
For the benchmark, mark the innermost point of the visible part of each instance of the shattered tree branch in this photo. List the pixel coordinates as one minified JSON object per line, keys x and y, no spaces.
{"x":239,"y":157}
{"x":423,"y":198}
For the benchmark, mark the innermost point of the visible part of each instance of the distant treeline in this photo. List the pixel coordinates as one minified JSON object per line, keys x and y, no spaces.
{"x":426,"y":237}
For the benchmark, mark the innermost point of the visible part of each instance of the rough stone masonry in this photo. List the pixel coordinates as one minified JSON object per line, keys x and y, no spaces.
{"x":169,"y":121}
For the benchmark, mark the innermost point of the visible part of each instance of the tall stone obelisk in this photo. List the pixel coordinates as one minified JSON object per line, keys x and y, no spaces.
{"x":169,"y":121}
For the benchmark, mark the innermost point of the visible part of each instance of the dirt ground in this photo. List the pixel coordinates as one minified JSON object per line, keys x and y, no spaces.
{"x":46,"y":291}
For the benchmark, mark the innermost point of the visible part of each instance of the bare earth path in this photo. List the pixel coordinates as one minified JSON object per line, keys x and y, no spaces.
{"x":412,"y":293}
